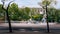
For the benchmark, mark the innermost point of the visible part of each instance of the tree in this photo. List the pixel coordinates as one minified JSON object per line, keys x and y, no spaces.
{"x":13,"y":11}
{"x":37,"y":17}
{"x":24,"y":13}
{"x":18,"y":14}
{"x":51,"y":15}
{"x":3,"y":1}
{"x":49,"y":3}
{"x":57,"y":14}
{"x":2,"y":13}
{"x":45,"y":4}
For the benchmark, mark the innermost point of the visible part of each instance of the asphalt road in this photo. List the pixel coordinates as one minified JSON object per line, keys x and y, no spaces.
{"x":54,"y":28}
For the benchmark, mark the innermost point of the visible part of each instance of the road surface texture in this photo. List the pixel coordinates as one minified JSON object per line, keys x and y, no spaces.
{"x":23,"y":28}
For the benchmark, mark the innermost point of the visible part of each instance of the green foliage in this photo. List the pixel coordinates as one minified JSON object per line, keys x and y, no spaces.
{"x":53,"y":15}
{"x":25,"y":13}
{"x":2,"y":13}
{"x":58,"y":15}
{"x":18,"y":14}
{"x":48,"y":2}
{"x":13,"y":11}
{"x":44,"y":2}
{"x":37,"y":17}
{"x":27,"y":10}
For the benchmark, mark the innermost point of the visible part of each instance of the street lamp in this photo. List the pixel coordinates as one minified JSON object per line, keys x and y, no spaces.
{"x":3,"y":1}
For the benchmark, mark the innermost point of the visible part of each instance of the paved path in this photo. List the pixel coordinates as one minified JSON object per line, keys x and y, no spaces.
{"x":40,"y":25}
{"x":29,"y":25}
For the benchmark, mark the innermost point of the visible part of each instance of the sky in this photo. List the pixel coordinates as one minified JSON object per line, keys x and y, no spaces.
{"x":31,"y":3}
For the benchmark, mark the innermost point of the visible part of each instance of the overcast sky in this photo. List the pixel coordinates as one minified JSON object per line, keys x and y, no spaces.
{"x":32,"y":3}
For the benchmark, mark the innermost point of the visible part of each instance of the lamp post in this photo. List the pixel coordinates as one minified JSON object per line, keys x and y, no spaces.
{"x":3,"y":1}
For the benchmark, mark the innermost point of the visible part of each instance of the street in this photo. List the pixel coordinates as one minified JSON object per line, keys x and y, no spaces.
{"x":30,"y":28}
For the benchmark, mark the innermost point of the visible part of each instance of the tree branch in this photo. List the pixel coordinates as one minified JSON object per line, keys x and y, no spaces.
{"x":3,"y":6}
{"x":9,"y":4}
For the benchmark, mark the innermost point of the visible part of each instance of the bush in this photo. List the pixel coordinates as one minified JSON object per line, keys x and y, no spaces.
{"x":37,"y":17}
